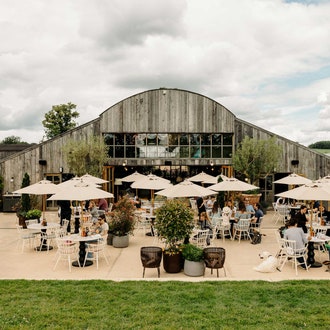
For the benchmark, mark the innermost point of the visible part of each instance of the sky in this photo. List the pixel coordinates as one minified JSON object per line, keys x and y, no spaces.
{"x":267,"y":61}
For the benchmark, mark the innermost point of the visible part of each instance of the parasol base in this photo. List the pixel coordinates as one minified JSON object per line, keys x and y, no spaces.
{"x":88,"y":263}
{"x":316,"y":264}
{"x":43,"y":248}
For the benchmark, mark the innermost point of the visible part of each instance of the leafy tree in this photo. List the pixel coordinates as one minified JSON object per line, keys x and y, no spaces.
{"x":13,"y":140}
{"x":83,"y":157}
{"x":60,"y":119}
{"x":320,"y":145}
{"x":26,"y":202}
{"x":256,"y":158}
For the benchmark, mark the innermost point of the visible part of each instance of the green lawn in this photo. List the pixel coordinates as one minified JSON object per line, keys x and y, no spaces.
{"x":323,"y":151}
{"x":164,"y":305}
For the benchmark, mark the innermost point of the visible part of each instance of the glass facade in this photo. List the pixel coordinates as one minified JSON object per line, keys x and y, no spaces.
{"x":170,"y":145}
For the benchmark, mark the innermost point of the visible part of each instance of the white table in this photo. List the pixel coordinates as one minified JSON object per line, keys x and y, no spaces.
{"x":82,"y":248}
{"x":43,"y":228}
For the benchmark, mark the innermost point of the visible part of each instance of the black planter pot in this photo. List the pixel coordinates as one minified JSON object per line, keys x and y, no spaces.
{"x":173,"y":263}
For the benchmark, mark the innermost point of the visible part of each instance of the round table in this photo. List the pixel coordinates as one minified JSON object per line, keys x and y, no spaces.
{"x":310,"y":251}
{"x":82,"y":249}
{"x":43,"y":229}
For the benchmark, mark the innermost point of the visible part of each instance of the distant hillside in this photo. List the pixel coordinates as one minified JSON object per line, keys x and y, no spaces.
{"x":323,"y":151}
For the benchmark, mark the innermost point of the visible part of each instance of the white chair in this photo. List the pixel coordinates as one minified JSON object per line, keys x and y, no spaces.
{"x":144,"y":222}
{"x":283,"y":214}
{"x":68,"y":251}
{"x":24,"y":236}
{"x":281,"y":249}
{"x":200,"y":238}
{"x":47,"y":237}
{"x":65,"y":224}
{"x":242,"y":228}
{"x":276,"y":216}
{"x":93,"y":251}
{"x":223,"y":229}
{"x":320,"y":247}
{"x":292,"y":254}
{"x":30,"y":222}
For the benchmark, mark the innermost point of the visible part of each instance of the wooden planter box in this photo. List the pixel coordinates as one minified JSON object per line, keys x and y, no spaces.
{"x":253,"y":199}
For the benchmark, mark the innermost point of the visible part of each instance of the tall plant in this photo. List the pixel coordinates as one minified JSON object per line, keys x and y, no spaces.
{"x":174,"y":222}
{"x":26,"y":201}
{"x":256,"y":158}
{"x":83,"y":157}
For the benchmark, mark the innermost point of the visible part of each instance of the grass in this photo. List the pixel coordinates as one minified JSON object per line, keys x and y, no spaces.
{"x":164,"y":305}
{"x":323,"y":151}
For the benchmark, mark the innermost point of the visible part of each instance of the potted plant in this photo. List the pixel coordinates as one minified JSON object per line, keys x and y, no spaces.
{"x":193,"y":260}
{"x":122,"y":222}
{"x":33,"y":214}
{"x":174,"y":223}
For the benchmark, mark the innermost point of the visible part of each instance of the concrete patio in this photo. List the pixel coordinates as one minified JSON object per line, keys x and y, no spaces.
{"x":125,"y":264}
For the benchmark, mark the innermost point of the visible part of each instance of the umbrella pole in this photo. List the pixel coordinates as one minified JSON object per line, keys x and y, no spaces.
{"x":43,"y":206}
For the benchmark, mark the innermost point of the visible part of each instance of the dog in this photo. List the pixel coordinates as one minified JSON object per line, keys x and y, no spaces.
{"x":269,"y":264}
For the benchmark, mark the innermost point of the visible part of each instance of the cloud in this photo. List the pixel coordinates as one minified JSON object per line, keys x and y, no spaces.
{"x":265,"y":60}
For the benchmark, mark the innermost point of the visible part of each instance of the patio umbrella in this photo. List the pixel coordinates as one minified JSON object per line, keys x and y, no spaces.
{"x":232,"y":184}
{"x":151,"y":182}
{"x":133,"y":177}
{"x":201,"y":177}
{"x":214,"y":180}
{"x":186,"y":189}
{"x":293,"y":179}
{"x":43,"y":188}
{"x":312,"y":191}
{"x":93,"y":179}
{"x":80,"y":192}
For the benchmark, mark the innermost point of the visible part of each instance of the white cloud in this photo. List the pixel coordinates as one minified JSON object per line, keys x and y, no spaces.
{"x":262,"y":59}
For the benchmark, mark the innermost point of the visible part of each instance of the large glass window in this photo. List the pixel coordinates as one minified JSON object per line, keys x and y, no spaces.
{"x":172,"y":145}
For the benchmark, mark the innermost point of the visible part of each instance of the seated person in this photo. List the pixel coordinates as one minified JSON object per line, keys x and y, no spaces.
{"x":204,"y":221}
{"x":249,"y":208}
{"x":101,"y":227}
{"x":301,"y":218}
{"x":258,"y":213}
{"x":295,"y":233}
{"x":241,"y":213}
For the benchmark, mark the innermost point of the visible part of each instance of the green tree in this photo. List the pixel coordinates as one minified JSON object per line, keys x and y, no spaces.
{"x":60,"y":119}
{"x":86,"y":157}
{"x":26,"y":202}
{"x":320,"y":145}
{"x":13,"y":140}
{"x":256,"y":158}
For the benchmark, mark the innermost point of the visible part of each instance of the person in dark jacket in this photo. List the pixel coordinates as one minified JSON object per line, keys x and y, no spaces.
{"x":301,"y":218}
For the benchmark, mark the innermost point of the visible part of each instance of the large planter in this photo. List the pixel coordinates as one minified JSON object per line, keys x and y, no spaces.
{"x":120,"y":241}
{"x":172,"y":263}
{"x":253,"y":198}
{"x":194,"y":268}
{"x":151,"y":257}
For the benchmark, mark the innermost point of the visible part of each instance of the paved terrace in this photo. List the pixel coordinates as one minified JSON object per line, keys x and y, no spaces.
{"x":125,"y":264}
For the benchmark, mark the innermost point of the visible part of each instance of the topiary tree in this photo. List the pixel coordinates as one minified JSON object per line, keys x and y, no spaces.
{"x":86,"y":157}
{"x":26,"y":202}
{"x":256,"y":158}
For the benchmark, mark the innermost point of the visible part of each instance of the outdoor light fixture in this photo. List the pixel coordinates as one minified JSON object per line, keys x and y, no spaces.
{"x":211,"y":162}
{"x":12,"y":179}
{"x":125,"y":162}
{"x":61,"y":169}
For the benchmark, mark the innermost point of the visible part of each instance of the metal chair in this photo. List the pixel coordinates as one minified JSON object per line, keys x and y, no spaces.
{"x":151,"y":257}
{"x":214,"y":258}
{"x":200,"y":238}
{"x":68,"y":251}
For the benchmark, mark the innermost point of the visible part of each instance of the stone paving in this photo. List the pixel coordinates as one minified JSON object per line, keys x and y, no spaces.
{"x":125,"y":263}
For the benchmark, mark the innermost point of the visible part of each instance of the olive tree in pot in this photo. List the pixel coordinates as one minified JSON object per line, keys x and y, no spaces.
{"x":174,"y":223}
{"x":122,"y":222}
{"x":193,"y":260}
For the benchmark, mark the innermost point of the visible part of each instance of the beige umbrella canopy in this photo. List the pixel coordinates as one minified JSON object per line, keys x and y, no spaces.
{"x":92,"y":179}
{"x":80,"y":192}
{"x":151,"y":182}
{"x":214,"y":180}
{"x":133,"y":177}
{"x":43,"y":188}
{"x":201,"y":177}
{"x":312,"y":191}
{"x":185,"y":189}
{"x":293,"y":179}
{"x":232,"y":184}
{"x":74,"y":181}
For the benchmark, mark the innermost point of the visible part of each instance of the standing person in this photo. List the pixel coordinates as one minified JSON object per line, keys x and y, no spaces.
{"x":93,"y":211}
{"x":200,"y":206}
{"x":295,"y":233}
{"x":103,"y":205}
{"x":301,"y":218}
{"x":65,"y":213}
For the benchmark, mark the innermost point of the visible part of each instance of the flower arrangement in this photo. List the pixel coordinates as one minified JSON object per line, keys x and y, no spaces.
{"x":122,"y":217}
{"x":174,"y":223}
